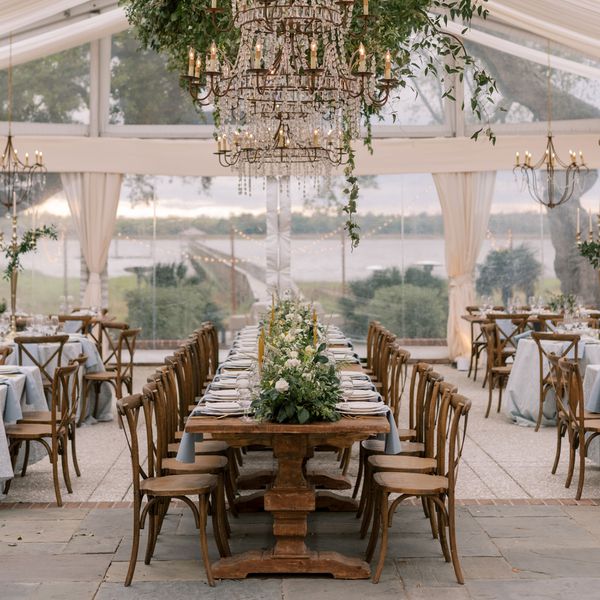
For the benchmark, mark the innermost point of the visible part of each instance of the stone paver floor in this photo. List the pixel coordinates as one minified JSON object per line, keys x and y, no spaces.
{"x":518,"y":551}
{"x":516,"y":536}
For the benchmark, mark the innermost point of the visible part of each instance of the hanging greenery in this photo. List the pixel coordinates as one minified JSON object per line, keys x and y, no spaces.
{"x":413,"y":30}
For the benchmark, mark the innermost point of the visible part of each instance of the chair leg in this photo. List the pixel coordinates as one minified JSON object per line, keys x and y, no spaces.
{"x":490,"y":392}
{"x":14,"y":448}
{"x":560,"y":432}
{"x":152,"y":523}
{"x":366,"y":485}
{"x":346,"y":460}
{"x":383,"y":518}
{"x":572,"y":443}
{"x":581,"y":467}
{"x":65,"y":462}
{"x":453,"y":547}
{"x":434,"y":523}
{"x":72,"y":437}
{"x":230,"y":493}
{"x":218,"y":517}
{"x":377,"y":493}
{"x":54,"y":460}
{"x":203,"y":540}
{"x":366,"y":499}
{"x":500,"y":389}
{"x":360,"y":472}
{"x":442,"y":522}
{"x":83,"y":399}
{"x":538,"y":422}
{"x":135,"y":544}
{"x":25,"y":459}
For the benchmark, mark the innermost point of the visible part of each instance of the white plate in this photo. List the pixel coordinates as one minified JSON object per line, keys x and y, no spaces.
{"x":223,"y":406}
{"x":222,"y":393}
{"x":216,"y":413}
{"x":358,"y":406}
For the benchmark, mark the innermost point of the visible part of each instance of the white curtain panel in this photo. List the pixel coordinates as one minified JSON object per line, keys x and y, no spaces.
{"x":93,"y":200}
{"x":285,"y":238}
{"x":272,"y":239}
{"x":466,"y":199}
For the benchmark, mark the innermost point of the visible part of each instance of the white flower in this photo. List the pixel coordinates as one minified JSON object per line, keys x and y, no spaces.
{"x":289,"y":337}
{"x":309,"y":350}
{"x":282,"y":385}
{"x":292,"y":363}
{"x":293,"y":354}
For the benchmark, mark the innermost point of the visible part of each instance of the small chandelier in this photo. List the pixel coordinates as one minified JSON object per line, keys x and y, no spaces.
{"x":18,"y":178}
{"x":551,"y":181}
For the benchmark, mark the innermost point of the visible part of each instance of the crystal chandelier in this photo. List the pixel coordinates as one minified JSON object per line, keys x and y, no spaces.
{"x":551,"y":181}
{"x":18,"y":178}
{"x":292,"y":95}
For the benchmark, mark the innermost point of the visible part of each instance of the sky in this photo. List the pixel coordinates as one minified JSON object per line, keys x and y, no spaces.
{"x":384,"y":194}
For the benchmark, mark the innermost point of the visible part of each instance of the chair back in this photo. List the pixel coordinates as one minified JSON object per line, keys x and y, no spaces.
{"x":64,"y":397}
{"x":398,"y":377}
{"x":109,"y":337}
{"x":76,"y":323}
{"x":175,"y":361}
{"x":371,"y":342}
{"x":124,"y":354}
{"x":212,"y":336}
{"x":129,"y":410}
{"x":51,"y":359}
{"x":571,"y":378}
{"x":386,"y":365}
{"x":509,"y":326}
{"x":569,"y":349}
{"x":451,"y":433}
{"x":418,"y":380}
{"x":5,"y":352}
{"x":441,"y":391}
{"x":494,"y":345}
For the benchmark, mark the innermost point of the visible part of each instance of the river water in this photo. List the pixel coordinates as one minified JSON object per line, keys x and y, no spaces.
{"x":313,"y":259}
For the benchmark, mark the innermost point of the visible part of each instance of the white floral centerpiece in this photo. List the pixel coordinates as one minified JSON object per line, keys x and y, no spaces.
{"x":298,"y":381}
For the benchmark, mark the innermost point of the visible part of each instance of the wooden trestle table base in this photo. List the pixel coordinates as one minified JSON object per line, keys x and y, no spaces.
{"x":292,"y":496}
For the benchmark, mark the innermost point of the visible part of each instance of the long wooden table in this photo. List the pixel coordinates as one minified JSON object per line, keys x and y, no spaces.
{"x":292,"y":496}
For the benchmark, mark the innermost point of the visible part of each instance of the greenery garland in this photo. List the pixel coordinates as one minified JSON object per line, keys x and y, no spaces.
{"x":413,"y":31}
{"x":13,"y":253}
{"x":590,"y":249}
{"x":298,"y":381}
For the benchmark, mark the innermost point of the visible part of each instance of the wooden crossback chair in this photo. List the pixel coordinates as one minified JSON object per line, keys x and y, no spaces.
{"x":438,"y":488}
{"x":547,"y":376}
{"x":83,"y":323}
{"x":52,"y":436}
{"x":159,"y":489}
{"x":582,"y":429}
{"x":5,"y":352}
{"x":118,"y":368}
{"x":50,"y":362}
{"x":497,"y":371}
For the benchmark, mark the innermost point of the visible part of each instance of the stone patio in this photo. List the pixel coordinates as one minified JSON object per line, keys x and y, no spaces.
{"x":521,"y":534}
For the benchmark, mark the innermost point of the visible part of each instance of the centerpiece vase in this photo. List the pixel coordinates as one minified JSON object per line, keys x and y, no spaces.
{"x":13,"y":301}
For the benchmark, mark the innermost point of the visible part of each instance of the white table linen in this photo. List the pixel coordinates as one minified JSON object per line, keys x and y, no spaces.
{"x":19,"y":394}
{"x":523,"y":387}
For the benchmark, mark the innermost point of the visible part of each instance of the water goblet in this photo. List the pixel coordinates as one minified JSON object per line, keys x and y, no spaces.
{"x":29,"y":324}
{"x":54,"y":324}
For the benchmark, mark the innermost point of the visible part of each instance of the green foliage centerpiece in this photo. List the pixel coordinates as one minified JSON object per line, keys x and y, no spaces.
{"x":13,"y":251}
{"x":298,"y":381}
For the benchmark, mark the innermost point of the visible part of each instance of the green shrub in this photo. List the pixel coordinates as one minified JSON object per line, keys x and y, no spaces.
{"x":410,"y":311}
{"x":179,"y":310}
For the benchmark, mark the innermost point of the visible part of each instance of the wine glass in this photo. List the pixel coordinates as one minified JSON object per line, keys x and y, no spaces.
{"x":4,"y":327}
{"x":29,"y":324}
{"x":54,"y":324}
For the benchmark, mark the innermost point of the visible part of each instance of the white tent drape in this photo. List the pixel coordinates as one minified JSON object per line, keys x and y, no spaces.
{"x":466,"y":199}
{"x":93,"y":200}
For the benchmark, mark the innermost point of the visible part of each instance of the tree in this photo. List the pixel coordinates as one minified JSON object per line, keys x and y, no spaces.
{"x":575,"y":274}
{"x":508,"y":270}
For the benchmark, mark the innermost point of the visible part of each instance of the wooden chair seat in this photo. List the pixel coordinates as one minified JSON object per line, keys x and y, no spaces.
{"x":407,"y":435}
{"x":203,"y":464}
{"x":179,"y":485}
{"x":29,"y":431}
{"x":41,"y":416}
{"x":505,"y":370}
{"x":406,"y":464}
{"x":411,"y":483}
{"x":591,"y":425}
{"x":101,"y":376}
{"x":204,"y":447}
